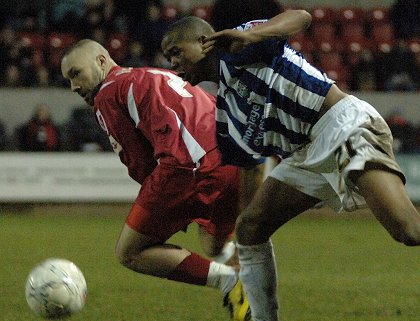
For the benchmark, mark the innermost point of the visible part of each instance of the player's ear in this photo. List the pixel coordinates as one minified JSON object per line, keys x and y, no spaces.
{"x":101,"y":60}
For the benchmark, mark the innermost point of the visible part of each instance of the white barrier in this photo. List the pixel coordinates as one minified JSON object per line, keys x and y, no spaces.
{"x":91,"y":177}
{"x":64,"y":177}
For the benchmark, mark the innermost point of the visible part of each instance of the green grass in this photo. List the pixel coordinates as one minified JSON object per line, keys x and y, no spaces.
{"x":331,"y":268}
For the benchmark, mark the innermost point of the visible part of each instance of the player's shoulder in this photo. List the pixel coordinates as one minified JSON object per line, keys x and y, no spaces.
{"x":250,"y":24}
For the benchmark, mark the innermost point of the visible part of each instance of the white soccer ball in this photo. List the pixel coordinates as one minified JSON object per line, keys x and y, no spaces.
{"x":56,"y":288}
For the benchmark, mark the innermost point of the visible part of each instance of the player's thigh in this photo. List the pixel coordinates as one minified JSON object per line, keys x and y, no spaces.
{"x":274,"y":204}
{"x":386,"y":196}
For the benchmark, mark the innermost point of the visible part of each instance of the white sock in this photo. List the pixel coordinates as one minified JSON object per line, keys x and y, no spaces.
{"x":222,"y":277}
{"x":227,"y":252}
{"x":259,"y":277}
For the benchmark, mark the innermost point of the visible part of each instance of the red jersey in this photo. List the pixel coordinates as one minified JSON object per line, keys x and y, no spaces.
{"x":153,"y":116}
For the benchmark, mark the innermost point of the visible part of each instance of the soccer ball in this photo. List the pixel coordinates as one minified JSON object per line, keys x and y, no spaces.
{"x":55,"y":288}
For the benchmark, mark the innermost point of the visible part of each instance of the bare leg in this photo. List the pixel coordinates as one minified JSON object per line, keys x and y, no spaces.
{"x":274,"y":204}
{"x":146,"y":255}
{"x":386,"y":196}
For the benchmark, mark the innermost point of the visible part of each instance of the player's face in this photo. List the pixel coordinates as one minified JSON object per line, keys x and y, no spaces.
{"x":185,"y":58}
{"x":84,"y":73}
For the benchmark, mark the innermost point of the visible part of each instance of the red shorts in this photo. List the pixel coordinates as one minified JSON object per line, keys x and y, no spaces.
{"x":172,"y":197}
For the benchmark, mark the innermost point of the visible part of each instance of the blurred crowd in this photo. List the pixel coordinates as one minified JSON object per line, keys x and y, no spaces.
{"x":362,"y":49}
{"x":40,"y":133}
{"x":374,"y":49}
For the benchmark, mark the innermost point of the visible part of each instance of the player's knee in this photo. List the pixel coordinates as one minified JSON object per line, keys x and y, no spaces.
{"x":250,"y":229}
{"x":125,"y":256}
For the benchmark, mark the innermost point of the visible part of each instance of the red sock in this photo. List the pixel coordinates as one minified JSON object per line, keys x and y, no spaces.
{"x":194,"y":270}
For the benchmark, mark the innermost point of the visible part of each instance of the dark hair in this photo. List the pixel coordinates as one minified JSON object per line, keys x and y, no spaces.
{"x":188,"y":28}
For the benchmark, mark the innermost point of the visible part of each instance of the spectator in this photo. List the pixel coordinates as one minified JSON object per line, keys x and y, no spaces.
{"x":403,"y":131}
{"x":405,"y":18}
{"x":363,"y":75}
{"x":66,"y":15}
{"x":39,"y":134}
{"x":150,"y":30}
{"x":135,"y":56}
{"x":82,"y":134}
{"x":397,"y":70}
{"x":228,"y":14}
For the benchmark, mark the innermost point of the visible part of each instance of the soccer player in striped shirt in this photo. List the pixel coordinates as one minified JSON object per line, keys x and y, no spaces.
{"x":335,"y":149}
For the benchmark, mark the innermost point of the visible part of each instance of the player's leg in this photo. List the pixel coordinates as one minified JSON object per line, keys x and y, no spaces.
{"x":386,"y":196}
{"x":274,"y":204}
{"x":139,"y":251}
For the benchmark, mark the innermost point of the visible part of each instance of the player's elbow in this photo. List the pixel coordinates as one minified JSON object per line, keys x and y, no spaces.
{"x":305,"y":18}
{"x":409,"y":235}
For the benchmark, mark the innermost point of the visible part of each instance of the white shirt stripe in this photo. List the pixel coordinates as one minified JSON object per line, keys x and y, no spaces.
{"x":132,"y":107}
{"x":195,"y":150}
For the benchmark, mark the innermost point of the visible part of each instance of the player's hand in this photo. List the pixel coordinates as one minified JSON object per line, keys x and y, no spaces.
{"x":237,"y":39}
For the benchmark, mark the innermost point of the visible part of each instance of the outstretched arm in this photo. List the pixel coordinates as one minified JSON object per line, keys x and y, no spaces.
{"x":281,"y":26}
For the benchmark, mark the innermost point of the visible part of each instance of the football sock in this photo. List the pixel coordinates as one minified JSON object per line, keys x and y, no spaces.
{"x":227,"y":252}
{"x":259,"y":277}
{"x":194,"y":270}
{"x":221,"y":276}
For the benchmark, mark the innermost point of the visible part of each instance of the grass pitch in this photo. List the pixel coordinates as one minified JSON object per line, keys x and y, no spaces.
{"x":331,"y":268}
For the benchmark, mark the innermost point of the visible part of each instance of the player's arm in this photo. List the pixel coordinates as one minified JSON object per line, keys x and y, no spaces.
{"x":281,"y":26}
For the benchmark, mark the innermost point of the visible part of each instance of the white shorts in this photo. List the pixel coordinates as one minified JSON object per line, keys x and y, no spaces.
{"x":344,"y":139}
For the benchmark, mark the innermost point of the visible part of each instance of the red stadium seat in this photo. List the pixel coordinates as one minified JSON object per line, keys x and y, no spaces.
{"x":384,"y":46}
{"x":382,"y":32}
{"x":117,"y":46}
{"x":353,"y":32}
{"x":301,"y":42}
{"x":170,"y":13}
{"x":323,"y":15}
{"x":330,"y":60}
{"x":382,"y":37}
{"x":350,"y":15}
{"x":323,"y":32}
{"x":414,"y":45}
{"x":57,"y":44}
{"x":60,"y":41}
{"x":330,"y":46}
{"x":203,"y":12}
{"x":377,"y":15}
{"x":33,"y":40}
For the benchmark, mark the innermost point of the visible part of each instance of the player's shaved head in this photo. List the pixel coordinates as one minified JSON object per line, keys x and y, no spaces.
{"x":87,"y":48}
{"x":86,"y":65}
{"x":187,"y":29}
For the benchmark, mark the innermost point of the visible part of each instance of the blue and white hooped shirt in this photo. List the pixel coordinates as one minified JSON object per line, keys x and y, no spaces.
{"x":268,"y":99}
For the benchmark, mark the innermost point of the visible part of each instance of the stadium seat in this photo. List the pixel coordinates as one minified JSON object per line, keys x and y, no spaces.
{"x":117,"y":46}
{"x":57,"y":44}
{"x":414,"y":45}
{"x":301,"y":42}
{"x":32,"y":40}
{"x":382,"y":32}
{"x":330,"y":60}
{"x":351,"y":15}
{"x":329,"y":46}
{"x":384,"y":46}
{"x":203,"y":12}
{"x":323,"y":32}
{"x":377,"y":15}
{"x":60,"y":41}
{"x":323,"y":15}
{"x":382,"y":36}
{"x":170,"y":13}
{"x":353,"y":32}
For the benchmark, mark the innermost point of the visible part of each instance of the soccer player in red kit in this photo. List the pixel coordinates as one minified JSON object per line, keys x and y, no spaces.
{"x":163,"y":130}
